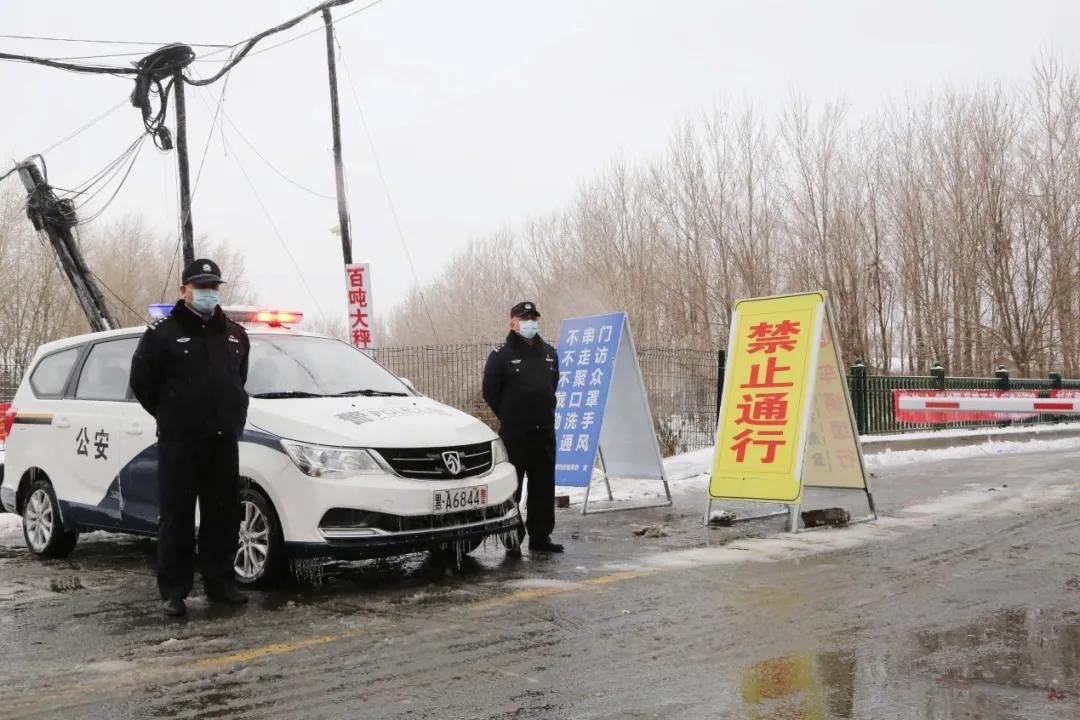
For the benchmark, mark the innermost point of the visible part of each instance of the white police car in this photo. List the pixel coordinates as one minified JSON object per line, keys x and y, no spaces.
{"x":339,"y":458}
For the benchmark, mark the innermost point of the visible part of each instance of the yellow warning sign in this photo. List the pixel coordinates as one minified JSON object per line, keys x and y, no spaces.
{"x":785,"y":419}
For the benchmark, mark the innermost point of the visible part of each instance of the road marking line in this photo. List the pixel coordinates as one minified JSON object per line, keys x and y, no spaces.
{"x":513,"y":598}
{"x":256,"y":653}
{"x":617,"y":577}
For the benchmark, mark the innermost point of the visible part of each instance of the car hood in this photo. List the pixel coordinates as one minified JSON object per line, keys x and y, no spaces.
{"x":381,"y":422}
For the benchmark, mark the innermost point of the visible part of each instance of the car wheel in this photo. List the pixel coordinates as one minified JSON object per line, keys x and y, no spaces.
{"x":43,"y":528}
{"x":260,"y":549}
{"x":452,"y":549}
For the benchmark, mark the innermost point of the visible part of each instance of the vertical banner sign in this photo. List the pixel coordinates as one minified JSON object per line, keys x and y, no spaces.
{"x":602,"y":410}
{"x":587,"y":349}
{"x":358,"y":286}
{"x":768,"y":394}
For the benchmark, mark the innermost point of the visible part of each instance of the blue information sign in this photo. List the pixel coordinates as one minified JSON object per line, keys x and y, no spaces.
{"x":587,"y":350}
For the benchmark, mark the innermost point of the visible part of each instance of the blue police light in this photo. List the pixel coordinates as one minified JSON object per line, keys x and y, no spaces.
{"x":160,"y":310}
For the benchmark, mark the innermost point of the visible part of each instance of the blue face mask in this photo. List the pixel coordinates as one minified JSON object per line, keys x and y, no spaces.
{"x":529,"y":329}
{"x":204,"y":301}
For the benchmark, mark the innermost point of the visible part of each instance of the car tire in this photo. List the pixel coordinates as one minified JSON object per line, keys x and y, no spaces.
{"x":260,"y":549}
{"x":451,"y":549}
{"x":43,"y":528}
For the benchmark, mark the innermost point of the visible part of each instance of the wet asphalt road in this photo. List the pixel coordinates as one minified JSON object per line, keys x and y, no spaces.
{"x":963,"y":601}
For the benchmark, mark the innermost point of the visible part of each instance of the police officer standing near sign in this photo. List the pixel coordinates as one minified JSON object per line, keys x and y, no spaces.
{"x":189,"y":372}
{"x":520,"y":381}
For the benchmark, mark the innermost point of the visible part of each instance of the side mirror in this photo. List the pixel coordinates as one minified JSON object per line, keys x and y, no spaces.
{"x":408,"y":384}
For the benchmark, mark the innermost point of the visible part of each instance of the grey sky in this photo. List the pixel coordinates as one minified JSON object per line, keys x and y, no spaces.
{"x":483,"y":112}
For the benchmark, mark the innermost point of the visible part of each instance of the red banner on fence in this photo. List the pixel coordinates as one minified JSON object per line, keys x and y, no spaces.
{"x":922,"y":417}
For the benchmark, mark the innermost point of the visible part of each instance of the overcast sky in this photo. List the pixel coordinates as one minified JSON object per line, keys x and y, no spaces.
{"x":483,"y":112}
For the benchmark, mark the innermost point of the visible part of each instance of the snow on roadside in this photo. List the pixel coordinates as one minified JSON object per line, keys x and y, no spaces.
{"x":10,"y":523}
{"x":689,"y":473}
{"x":967,"y":432}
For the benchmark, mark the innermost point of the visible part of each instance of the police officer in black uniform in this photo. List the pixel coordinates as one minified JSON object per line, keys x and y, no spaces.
{"x":189,"y":372}
{"x":520,"y":380}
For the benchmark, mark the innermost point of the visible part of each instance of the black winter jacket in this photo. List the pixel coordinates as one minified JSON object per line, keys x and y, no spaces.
{"x":520,"y":380}
{"x":189,"y":373}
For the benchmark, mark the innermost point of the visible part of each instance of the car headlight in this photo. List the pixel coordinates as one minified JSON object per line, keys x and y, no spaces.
{"x":330,"y":462}
{"x":498,"y":453}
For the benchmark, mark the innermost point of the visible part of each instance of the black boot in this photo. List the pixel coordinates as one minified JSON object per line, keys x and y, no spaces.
{"x":174,"y":607}
{"x":545,"y":545}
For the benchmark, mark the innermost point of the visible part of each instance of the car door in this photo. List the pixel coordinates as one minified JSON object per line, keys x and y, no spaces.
{"x":102,"y":415}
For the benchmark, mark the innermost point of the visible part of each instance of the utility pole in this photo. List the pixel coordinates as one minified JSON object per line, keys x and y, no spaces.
{"x":335,"y":116}
{"x":182,"y":161}
{"x":55,"y":218}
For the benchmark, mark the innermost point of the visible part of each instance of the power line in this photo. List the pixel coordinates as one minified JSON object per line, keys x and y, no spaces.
{"x":123,"y":181}
{"x":255,"y":39}
{"x":104,"y":42}
{"x":277,"y":233}
{"x":90,"y":69}
{"x":84,"y":187}
{"x":270,"y":165}
{"x":386,"y":189}
{"x":87,"y":126}
{"x":311,"y":32}
{"x":139,"y":53}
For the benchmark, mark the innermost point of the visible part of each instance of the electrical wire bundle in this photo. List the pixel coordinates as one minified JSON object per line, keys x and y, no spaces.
{"x":153,"y":70}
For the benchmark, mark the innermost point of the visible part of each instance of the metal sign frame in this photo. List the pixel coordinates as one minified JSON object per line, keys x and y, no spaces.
{"x":627,"y":387}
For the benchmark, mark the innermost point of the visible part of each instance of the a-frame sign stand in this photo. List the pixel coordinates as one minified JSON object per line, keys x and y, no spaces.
{"x":602,"y":410}
{"x":786,"y":420}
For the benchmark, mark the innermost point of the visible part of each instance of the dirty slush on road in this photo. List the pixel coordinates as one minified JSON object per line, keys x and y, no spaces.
{"x":958,"y":603}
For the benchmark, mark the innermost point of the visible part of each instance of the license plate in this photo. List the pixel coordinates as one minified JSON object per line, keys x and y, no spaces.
{"x":447,"y":501}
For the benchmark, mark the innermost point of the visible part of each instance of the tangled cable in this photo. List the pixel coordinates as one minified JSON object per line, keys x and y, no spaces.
{"x":153,"y":70}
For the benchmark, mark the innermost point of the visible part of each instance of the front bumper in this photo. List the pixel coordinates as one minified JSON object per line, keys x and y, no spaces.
{"x":302,"y":502}
{"x":385,"y":544}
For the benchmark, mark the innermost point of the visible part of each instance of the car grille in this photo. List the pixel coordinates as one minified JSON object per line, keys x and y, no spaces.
{"x":428,"y":463}
{"x":346,"y":519}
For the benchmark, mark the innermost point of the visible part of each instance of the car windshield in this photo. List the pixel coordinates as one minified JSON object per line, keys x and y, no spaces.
{"x":283,"y":366}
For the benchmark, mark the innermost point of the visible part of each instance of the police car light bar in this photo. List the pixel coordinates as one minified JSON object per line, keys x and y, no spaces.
{"x":160,"y":310}
{"x":265,"y":316}
{"x":241,"y":314}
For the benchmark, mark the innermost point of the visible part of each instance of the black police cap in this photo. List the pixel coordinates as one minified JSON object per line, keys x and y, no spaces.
{"x":524,"y":308}
{"x":202,"y":271}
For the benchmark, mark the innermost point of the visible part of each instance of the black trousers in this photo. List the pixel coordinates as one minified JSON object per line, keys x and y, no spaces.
{"x":207,"y":470}
{"x":533,"y":456}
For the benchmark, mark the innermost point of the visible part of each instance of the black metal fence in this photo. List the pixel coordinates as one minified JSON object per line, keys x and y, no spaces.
{"x":682,"y":386}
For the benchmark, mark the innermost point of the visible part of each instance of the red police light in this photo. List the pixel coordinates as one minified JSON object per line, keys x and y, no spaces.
{"x":278,"y":317}
{"x":264,"y":316}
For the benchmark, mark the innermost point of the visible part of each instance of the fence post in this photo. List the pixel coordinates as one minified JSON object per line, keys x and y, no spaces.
{"x":1002,"y":375}
{"x":1055,"y":380}
{"x":721,"y":364}
{"x":938,"y":373}
{"x":859,"y":395}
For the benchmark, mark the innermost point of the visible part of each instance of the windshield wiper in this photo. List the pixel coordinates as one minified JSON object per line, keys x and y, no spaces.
{"x":286,"y":394}
{"x":368,"y":392}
